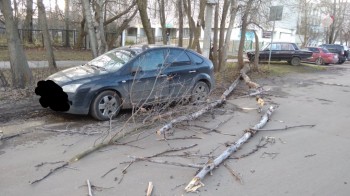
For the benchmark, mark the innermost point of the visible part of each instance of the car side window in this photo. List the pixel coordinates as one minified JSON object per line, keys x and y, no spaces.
{"x":150,"y":61}
{"x":276,"y":47}
{"x":177,"y":57}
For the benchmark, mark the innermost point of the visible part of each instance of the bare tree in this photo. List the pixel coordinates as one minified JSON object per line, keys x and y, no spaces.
{"x":90,"y":27}
{"x":181,"y":22}
{"x":66,"y":22}
{"x":21,"y":74}
{"x":142,"y":7}
{"x":224,"y":48}
{"x":47,"y":40}
{"x":162,"y":20}
{"x":28,"y":22}
{"x":191,"y":23}
{"x":199,"y":25}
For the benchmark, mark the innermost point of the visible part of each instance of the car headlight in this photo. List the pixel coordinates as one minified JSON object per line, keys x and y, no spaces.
{"x":71,"y":88}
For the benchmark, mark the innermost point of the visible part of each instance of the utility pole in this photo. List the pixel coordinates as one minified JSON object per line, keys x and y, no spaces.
{"x":207,"y":30}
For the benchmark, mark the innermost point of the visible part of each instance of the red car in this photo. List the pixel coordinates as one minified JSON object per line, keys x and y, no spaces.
{"x":321,"y":56}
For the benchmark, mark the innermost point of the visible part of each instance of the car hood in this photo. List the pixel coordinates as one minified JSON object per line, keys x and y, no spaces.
{"x":75,"y":73}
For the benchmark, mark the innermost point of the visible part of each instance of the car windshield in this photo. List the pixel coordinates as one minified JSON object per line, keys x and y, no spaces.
{"x":113,"y":60}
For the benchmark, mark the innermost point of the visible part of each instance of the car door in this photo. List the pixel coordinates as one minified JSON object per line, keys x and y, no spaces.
{"x":180,"y":71}
{"x":147,"y":83}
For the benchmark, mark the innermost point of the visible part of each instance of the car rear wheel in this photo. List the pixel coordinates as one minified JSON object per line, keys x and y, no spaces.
{"x":106,"y":105}
{"x":295,"y":61}
{"x":319,"y":61}
{"x":200,"y":92}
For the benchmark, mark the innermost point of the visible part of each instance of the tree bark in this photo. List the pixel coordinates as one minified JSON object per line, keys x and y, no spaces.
{"x":222,"y":32}
{"x":191,"y":23}
{"x":82,"y":34}
{"x":47,"y":40}
{"x":212,"y":164}
{"x":99,"y":28}
{"x":197,"y":32}
{"x":28,"y":22}
{"x":91,"y":29}
{"x":163,"y":21}
{"x":181,"y":22}
{"x":243,"y":32}
{"x":21,"y":74}
{"x":66,"y":23}
{"x":257,"y":53}
{"x":224,"y":51}
{"x":214,"y":47}
{"x":142,"y":7}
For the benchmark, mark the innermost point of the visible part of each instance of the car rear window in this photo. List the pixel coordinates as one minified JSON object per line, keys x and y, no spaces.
{"x":195,"y":58}
{"x":177,"y":57}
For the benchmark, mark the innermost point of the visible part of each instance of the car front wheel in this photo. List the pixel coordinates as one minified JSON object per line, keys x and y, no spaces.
{"x":106,"y":105}
{"x":200,"y":92}
{"x":319,"y":61}
{"x":295,"y":61}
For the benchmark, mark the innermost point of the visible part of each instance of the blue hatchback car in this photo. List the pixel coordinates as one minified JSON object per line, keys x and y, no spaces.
{"x":128,"y":77}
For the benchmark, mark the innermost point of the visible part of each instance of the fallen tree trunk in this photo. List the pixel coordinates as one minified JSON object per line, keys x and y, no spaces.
{"x":195,"y":115}
{"x":196,"y":181}
{"x":243,"y":74}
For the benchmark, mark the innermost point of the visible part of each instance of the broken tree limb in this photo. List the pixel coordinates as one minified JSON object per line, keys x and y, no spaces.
{"x":189,"y":117}
{"x":243,"y":72}
{"x":208,"y":167}
{"x":195,"y":115}
{"x":149,"y":189}
{"x":89,"y":187}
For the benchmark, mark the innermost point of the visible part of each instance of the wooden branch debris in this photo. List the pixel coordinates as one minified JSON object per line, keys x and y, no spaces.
{"x":89,"y":187}
{"x":208,"y":167}
{"x":51,"y":172}
{"x":149,"y":189}
{"x":243,"y":74}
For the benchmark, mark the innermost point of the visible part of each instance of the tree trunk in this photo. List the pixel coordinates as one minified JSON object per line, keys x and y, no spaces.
{"x":257,"y":53}
{"x":100,"y":33}
{"x":91,"y":29}
{"x":222,"y":33}
{"x":181,"y":23}
{"x":21,"y":74}
{"x":142,"y":7}
{"x":197,"y":32}
{"x":214,"y":47}
{"x":211,"y":165}
{"x":163,"y":21}
{"x":191,"y":23}
{"x":47,"y":40}
{"x":234,"y":10}
{"x":82,"y":34}
{"x":243,"y":32}
{"x":28,"y":22}
{"x":66,"y":22}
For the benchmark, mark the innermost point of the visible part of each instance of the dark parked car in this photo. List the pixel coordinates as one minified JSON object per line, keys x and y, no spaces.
{"x":281,"y":51}
{"x":321,"y":56}
{"x":128,"y":77}
{"x":341,"y":50}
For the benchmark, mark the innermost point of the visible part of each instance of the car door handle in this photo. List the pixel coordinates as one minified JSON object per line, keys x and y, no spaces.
{"x":192,"y":71}
{"x":162,"y":75}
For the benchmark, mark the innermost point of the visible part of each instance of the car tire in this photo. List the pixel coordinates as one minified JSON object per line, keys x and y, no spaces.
{"x":341,"y":62}
{"x":295,"y":61}
{"x":319,"y":61}
{"x":106,"y":105}
{"x":200,"y":92}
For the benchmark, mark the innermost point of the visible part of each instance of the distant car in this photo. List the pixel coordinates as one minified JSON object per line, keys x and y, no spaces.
{"x":128,"y":77}
{"x":341,"y":50}
{"x":281,"y":51}
{"x":321,"y":56}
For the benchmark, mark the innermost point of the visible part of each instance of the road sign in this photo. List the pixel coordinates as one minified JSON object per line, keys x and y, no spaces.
{"x":276,"y":13}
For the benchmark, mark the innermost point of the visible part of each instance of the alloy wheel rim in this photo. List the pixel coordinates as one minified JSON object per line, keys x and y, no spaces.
{"x":108,"y":106}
